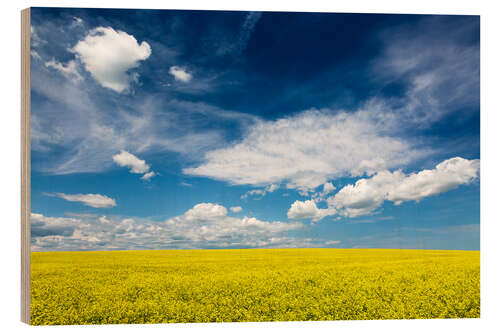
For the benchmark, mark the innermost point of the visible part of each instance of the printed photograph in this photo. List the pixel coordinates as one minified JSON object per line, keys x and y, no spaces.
{"x":231,"y":166}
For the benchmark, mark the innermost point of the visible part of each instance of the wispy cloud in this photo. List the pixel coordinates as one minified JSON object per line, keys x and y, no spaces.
{"x":333,"y":242}
{"x":259,"y":193}
{"x":455,"y":229}
{"x":148,"y":175}
{"x":35,"y":38}
{"x":440,"y":70}
{"x":371,"y":220}
{"x":247,"y":28}
{"x":69,"y":70}
{"x":91,"y":199}
{"x":237,"y":41}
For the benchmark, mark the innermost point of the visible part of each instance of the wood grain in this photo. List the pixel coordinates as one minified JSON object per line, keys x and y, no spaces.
{"x":25,"y":166}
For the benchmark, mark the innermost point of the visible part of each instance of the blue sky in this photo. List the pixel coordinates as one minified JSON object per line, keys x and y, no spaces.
{"x":211,"y":129}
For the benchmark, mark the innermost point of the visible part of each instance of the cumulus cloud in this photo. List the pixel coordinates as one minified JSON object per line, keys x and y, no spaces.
{"x":205,"y":211}
{"x":91,"y":200}
{"x":446,"y":176}
{"x":236,"y":209}
{"x":126,"y":159}
{"x":206,"y":225}
{"x":42,"y":226}
{"x":369,"y":167}
{"x":180,"y":74}
{"x":209,"y":223}
{"x":368,"y":194}
{"x":69,"y":70}
{"x":110,"y":55}
{"x":306,"y":150}
{"x":302,"y":210}
{"x":135,"y":164}
{"x":365,"y":195}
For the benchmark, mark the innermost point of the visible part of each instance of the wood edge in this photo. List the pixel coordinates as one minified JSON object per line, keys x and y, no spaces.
{"x":25,"y":166}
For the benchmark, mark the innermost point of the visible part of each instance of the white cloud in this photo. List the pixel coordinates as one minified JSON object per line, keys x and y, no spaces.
{"x":136,"y":165}
{"x":35,"y":38}
{"x":307,"y":149}
{"x":35,"y":55}
{"x":207,"y":222}
{"x":180,"y":74}
{"x":238,"y":43}
{"x":440,"y":79}
{"x":126,"y":159}
{"x":302,"y":210}
{"x":92,"y":200}
{"x":253,"y":192}
{"x":205,"y":211}
{"x":206,"y":225}
{"x":332,"y":242}
{"x":148,"y":176}
{"x":86,"y":145}
{"x":369,"y":167}
{"x":109,"y":56}
{"x":368,"y":194}
{"x":327,"y":189}
{"x":42,"y":226}
{"x":247,"y":28}
{"x":268,"y":189}
{"x":236,"y":209}
{"x":446,"y":176}
{"x":103,"y":219}
{"x":69,"y":70}
{"x":271,"y":188}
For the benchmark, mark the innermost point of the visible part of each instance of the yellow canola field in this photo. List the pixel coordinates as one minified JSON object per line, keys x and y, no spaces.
{"x":252,"y":285}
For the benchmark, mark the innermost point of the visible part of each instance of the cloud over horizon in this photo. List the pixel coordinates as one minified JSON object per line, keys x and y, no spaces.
{"x":204,"y":225}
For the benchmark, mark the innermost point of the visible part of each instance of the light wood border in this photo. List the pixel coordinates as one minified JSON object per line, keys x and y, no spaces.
{"x":25,"y":166}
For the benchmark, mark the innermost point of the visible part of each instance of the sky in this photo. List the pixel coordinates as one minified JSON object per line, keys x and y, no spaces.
{"x":168,"y":129}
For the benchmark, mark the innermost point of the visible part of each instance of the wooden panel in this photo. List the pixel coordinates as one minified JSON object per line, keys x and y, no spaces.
{"x":25,"y":166}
